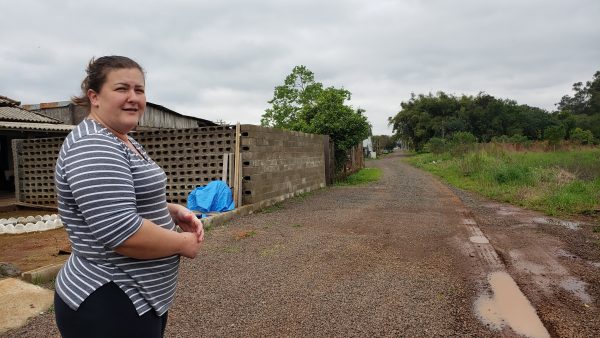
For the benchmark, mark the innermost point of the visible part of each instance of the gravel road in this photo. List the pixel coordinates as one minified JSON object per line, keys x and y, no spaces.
{"x":385,"y":259}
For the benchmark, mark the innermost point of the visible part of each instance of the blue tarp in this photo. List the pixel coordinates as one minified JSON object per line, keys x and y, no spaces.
{"x":215,"y":196}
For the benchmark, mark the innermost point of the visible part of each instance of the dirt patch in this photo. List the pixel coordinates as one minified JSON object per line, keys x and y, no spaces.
{"x":32,"y":300}
{"x":30,"y":251}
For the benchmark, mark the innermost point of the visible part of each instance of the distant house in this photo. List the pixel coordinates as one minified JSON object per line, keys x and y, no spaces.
{"x":155,"y":117}
{"x":19,"y":123}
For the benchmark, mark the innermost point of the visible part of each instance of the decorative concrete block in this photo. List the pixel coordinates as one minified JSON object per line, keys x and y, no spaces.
{"x":19,"y":229}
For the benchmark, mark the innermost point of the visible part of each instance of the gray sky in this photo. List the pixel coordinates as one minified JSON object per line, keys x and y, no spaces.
{"x":220,"y":60}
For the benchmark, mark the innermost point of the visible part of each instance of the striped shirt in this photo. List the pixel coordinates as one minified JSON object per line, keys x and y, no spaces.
{"x":104,"y":192}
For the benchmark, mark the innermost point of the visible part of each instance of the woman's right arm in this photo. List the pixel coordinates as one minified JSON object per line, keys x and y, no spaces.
{"x":151,"y":241}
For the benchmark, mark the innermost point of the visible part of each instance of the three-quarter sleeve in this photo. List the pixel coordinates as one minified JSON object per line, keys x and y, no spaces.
{"x":98,"y":172}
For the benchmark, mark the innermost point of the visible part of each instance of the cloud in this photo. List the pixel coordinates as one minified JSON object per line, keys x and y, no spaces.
{"x":221,"y":60}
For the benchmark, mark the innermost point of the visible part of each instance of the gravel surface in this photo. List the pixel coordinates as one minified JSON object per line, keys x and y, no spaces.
{"x":386,"y":259}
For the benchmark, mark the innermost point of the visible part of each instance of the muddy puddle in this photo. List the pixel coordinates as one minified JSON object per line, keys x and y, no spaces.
{"x":566,"y":224}
{"x":507,"y":306}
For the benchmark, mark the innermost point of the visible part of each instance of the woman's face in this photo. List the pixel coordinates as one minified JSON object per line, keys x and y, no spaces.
{"x":121,"y":101}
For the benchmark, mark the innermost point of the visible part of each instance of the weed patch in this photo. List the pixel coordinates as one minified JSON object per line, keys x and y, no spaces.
{"x":558,"y":183}
{"x":231,"y":249}
{"x":272,"y":208}
{"x":239,"y":235}
{"x":363,"y":176}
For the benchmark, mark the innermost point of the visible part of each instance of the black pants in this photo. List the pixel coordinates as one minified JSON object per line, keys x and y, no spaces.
{"x":107,"y":312}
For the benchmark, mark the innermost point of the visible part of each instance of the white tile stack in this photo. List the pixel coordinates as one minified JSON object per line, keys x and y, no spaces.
{"x":29,"y":224}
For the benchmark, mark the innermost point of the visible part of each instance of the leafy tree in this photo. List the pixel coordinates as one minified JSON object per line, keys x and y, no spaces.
{"x":582,"y":110}
{"x":436,"y":145}
{"x":299,"y":91}
{"x":581,"y":136}
{"x":302,"y":104}
{"x":554,"y":134}
{"x":484,"y":116}
{"x":462,"y":142}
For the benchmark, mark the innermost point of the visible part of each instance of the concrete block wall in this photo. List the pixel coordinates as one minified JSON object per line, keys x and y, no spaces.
{"x":275,"y":163}
{"x":34,"y":161}
{"x":190,"y":158}
{"x":278,"y":163}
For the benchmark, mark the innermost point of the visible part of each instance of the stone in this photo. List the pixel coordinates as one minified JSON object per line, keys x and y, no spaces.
{"x":9,"y":270}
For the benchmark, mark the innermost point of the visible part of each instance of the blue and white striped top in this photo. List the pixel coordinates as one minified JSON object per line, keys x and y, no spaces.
{"x":104,"y":192}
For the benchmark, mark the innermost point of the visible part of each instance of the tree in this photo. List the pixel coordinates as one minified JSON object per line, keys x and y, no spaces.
{"x":484,"y":116}
{"x":582,"y":110}
{"x":299,"y":91}
{"x":301,"y":104}
{"x":554,"y":134}
{"x":383,"y":142}
{"x":581,"y":136}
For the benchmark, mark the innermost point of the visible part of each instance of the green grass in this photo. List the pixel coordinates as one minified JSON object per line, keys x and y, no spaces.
{"x":364,"y":176}
{"x":558,"y":183}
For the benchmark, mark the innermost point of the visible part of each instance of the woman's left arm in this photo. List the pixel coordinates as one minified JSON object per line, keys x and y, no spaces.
{"x":186,"y":220}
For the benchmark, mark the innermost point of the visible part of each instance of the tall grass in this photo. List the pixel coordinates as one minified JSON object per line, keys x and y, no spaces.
{"x":558,"y":183}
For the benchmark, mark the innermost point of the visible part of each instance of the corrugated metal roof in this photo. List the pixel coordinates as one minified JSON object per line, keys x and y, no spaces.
{"x":19,"y":114}
{"x":36,"y":126}
{"x":6,"y":101}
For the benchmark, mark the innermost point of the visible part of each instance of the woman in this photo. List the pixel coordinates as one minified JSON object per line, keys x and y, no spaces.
{"x":120,"y":278}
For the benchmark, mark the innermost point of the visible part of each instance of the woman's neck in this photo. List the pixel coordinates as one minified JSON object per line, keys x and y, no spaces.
{"x":120,"y":135}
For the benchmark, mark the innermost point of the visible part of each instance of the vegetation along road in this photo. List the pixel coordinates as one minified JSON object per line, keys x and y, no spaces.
{"x":404,"y":256}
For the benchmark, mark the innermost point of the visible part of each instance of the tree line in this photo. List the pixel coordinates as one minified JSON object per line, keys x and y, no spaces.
{"x":487,"y":118}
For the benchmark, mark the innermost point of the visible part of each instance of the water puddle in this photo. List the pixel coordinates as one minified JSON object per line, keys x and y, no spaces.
{"x":566,"y":224}
{"x":479,"y":239}
{"x":508,"y":306}
{"x":577,"y":287}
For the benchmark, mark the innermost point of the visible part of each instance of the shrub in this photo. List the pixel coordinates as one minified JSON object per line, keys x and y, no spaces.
{"x":462,"y":142}
{"x":511,"y":174}
{"x":436,"y":145}
{"x":580,"y":136}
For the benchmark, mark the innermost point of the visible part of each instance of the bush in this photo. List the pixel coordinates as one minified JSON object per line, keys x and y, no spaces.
{"x":580,"y":136}
{"x":436,"y":145}
{"x":462,"y":142}
{"x":501,"y":139}
{"x":511,"y":174}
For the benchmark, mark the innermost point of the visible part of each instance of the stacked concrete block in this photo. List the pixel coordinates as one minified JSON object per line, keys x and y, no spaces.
{"x":190,"y":157}
{"x":274,"y":163}
{"x":34,"y":170}
{"x":278,"y":163}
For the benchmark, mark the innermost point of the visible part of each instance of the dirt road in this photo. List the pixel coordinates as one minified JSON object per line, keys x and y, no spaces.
{"x":405,"y":256}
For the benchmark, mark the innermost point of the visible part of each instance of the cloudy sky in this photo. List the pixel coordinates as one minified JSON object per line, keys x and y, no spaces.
{"x":220,"y":60}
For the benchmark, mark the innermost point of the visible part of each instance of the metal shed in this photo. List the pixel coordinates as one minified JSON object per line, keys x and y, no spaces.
{"x":155,"y":117}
